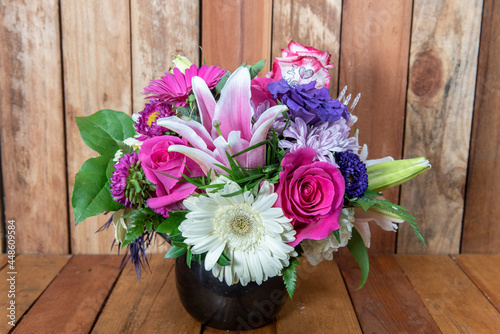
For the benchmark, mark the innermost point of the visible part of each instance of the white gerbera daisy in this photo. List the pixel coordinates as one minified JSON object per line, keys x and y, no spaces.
{"x":252,"y":233}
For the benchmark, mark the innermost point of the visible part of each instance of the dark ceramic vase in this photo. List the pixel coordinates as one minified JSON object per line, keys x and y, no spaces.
{"x":235,"y":307}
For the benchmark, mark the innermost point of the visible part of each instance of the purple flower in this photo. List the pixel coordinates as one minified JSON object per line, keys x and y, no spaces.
{"x":354,"y":172}
{"x":325,"y":138}
{"x":146,"y":123}
{"x":129,"y":186}
{"x":119,"y":179}
{"x":311,"y":104}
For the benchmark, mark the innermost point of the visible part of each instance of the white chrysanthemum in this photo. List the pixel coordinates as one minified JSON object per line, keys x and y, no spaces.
{"x":317,"y":250}
{"x":252,"y":233}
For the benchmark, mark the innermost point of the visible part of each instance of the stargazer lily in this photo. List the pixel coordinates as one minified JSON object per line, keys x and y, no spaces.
{"x":226,"y":125}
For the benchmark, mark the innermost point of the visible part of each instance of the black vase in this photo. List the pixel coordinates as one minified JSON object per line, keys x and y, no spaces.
{"x":235,"y":307}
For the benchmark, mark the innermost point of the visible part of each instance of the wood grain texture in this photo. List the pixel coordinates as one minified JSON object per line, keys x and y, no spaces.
{"x":443,"y":61}
{"x":310,"y":23}
{"x":71,"y":303}
{"x":320,"y":295}
{"x":387,"y":303}
{"x":27,"y":289}
{"x":483,"y":178}
{"x":484,"y":271}
{"x":166,"y":314}
{"x":32,"y":131}
{"x":128,"y":307}
{"x":97,"y":75}
{"x":158,"y":33}
{"x":236,"y":31}
{"x":453,"y":300}
{"x":3,"y":260}
{"x":374,"y":61}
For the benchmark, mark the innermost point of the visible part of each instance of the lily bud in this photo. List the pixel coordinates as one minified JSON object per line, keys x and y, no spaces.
{"x":121,"y":224}
{"x":389,"y":174}
{"x":181,"y":62}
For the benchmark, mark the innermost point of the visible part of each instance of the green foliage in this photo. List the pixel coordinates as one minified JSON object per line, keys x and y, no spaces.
{"x":91,"y":194}
{"x":175,"y":251}
{"x":358,"y":249}
{"x":290,"y":276}
{"x":256,"y":68}
{"x":370,"y":201}
{"x":142,"y":220}
{"x":224,"y":260}
{"x":168,"y":225}
{"x":105,"y":130}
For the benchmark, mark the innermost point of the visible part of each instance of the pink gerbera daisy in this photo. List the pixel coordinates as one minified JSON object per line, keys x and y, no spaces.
{"x":175,"y":88}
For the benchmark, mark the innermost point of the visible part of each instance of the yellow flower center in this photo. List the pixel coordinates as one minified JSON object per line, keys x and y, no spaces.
{"x":153,"y":118}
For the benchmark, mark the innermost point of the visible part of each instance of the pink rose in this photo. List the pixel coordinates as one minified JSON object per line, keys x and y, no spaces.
{"x":159,"y":165}
{"x":301,"y":64}
{"x":311,"y":193}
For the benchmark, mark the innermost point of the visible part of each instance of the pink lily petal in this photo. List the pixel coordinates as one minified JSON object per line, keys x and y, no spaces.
{"x":193,"y":131}
{"x":257,"y":156}
{"x":233,"y":110}
{"x":364,"y":231}
{"x":205,"y":100}
{"x":205,"y":160}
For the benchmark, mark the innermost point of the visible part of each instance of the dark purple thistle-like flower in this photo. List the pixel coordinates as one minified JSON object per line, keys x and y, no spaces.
{"x":354,"y":172}
{"x":146,"y":124}
{"x":120,"y":178}
{"x":311,"y":104}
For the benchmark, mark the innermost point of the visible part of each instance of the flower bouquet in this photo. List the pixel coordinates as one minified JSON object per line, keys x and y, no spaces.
{"x":241,"y":174}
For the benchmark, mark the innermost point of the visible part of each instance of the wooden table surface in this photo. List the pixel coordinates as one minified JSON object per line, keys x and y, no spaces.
{"x":404,"y":294}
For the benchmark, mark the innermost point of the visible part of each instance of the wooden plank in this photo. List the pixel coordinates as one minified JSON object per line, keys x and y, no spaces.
{"x":158,"y":33}
{"x":484,"y":271}
{"x":454,"y":302}
{"x":443,"y":61}
{"x":387,"y":303}
{"x":3,"y":260}
{"x":321,"y":302}
{"x":26,"y":267}
{"x":97,"y":75}
{"x":32,"y":135}
{"x":311,"y":23}
{"x":71,"y":303}
{"x":483,"y":178}
{"x":137,"y":297}
{"x":374,"y":61}
{"x":166,"y":314}
{"x":236,"y":31}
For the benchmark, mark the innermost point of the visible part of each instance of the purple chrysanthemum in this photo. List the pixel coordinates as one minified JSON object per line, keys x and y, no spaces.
{"x":175,"y":88}
{"x":129,"y":186}
{"x":146,"y":123}
{"x":311,"y":104}
{"x":120,"y":176}
{"x":325,"y":138}
{"x":354,"y":172}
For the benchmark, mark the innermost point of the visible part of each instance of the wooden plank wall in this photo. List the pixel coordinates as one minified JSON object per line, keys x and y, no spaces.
{"x":428,"y":72}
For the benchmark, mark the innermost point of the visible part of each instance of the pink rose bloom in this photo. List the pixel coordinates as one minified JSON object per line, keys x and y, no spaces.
{"x":260,"y":93}
{"x":311,"y":193}
{"x":301,"y":64}
{"x":156,"y":161}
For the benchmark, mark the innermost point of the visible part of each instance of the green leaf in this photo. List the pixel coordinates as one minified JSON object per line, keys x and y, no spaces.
{"x":91,"y":194}
{"x":290,"y":276}
{"x":173,"y":221}
{"x":105,"y":130}
{"x":256,"y":68}
{"x":224,"y":260}
{"x":189,"y":257}
{"x":358,"y":250}
{"x":222,"y":82}
{"x":175,"y":252}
